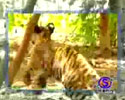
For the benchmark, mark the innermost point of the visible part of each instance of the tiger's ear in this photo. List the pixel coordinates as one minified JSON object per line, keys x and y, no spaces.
{"x":51,"y":27}
{"x":37,"y":29}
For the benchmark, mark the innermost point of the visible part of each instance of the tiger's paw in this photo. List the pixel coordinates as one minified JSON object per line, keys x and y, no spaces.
{"x":34,"y":87}
{"x":19,"y":84}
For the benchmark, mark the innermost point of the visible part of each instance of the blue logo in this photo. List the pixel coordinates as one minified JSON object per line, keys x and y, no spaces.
{"x":105,"y":82}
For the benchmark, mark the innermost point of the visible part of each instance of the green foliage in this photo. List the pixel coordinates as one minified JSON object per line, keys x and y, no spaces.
{"x":83,"y":28}
{"x":62,"y":22}
{"x":17,"y":20}
{"x":11,"y":21}
{"x":87,"y":28}
{"x":113,"y":25}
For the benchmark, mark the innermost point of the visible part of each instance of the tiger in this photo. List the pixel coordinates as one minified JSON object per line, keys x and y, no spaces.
{"x":63,"y":63}
{"x":67,"y":63}
{"x":73,"y":68}
{"x":39,"y":55}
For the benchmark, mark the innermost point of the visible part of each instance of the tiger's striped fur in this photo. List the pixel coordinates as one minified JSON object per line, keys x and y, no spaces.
{"x":73,"y":69}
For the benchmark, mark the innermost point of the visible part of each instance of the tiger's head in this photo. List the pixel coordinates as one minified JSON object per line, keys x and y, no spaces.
{"x":43,"y":33}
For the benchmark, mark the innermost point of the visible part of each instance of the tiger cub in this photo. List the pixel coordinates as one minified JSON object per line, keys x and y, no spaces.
{"x":35,"y":76}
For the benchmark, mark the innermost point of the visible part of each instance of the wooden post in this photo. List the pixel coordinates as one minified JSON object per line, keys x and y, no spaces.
{"x":15,"y":65}
{"x":105,"y":36}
